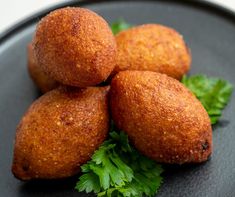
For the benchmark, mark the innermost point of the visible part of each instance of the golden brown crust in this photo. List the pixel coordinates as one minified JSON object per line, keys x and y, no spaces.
{"x":152,"y":47}
{"x":42,"y":81}
{"x":60,"y":132}
{"x":75,"y":46}
{"x":163,"y":119}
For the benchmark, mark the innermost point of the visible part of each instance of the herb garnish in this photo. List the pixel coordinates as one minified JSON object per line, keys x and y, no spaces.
{"x":213,"y":93}
{"x":117,"y":169}
{"x":119,"y":25}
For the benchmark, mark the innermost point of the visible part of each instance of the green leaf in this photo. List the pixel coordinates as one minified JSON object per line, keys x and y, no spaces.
{"x":117,"y":169}
{"x":119,"y":26}
{"x":213,"y":93}
{"x":127,"y":171}
{"x":103,"y":175}
{"x":100,"y":155}
{"x":122,"y":140}
{"x":88,"y":182}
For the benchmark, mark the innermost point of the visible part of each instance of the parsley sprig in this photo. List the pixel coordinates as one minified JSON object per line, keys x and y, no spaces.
{"x":117,"y":169}
{"x":119,"y":25}
{"x":213,"y":93}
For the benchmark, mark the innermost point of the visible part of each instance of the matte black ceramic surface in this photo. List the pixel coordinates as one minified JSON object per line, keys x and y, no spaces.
{"x":210,"y":33}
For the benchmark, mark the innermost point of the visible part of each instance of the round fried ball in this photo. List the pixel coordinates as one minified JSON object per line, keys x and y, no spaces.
{"x":162,"y":118}
{"x":75,"y":46}
{"x":152,"y":47}
{"x":42,"y":81}
{"x":60,"y":132}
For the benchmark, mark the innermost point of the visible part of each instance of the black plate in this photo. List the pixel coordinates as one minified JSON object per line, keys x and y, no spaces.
{"x":210,"y":33}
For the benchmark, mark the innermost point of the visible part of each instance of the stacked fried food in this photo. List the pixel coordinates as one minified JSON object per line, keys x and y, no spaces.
{"x":72,"y":53}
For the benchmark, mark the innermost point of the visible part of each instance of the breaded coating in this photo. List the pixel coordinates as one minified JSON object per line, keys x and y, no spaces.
{"x":152,"y":47}
{"x":162,"y":118}
{"x":60,"y":132}
{"x":41,"y":80}
{"x":75,"y":46}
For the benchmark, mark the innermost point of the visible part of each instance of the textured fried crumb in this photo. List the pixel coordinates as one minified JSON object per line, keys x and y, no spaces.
{"x":60,"y":132}
{"x":163,"y":119}
{"x":42,"y":81}
{"x":153,"y":47}
{"x":75,"y":46}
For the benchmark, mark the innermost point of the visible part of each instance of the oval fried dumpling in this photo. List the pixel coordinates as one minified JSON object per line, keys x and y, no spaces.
{"x":60,"y":132}
{"x":162,"y":118}
{"x":75,"y":46}
{"x":41,"y":80}
{"x":152,"y":47}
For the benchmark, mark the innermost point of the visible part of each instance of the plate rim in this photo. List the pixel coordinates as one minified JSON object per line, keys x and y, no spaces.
{"x":6,"y":34}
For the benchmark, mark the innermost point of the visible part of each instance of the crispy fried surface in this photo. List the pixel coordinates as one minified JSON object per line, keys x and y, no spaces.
{"x":163,"y":119}
{"x":75,"y":46}
{"x":60,"y":132}
{"x":42,"y":81}
{"x":153,"y":47}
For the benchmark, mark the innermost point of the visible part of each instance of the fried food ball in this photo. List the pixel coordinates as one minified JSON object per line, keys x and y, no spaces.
{"x":75,"y":46}
{"x":162,"y":118}
{"x":60,"y":132}
{"x":42,"y":81}
{"x":152,"y":47}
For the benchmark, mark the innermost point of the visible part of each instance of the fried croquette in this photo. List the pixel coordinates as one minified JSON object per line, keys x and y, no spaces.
{"x":75,"y":46}
{"x":162,"y":118}
{"x":42,"y":81}
{"x":60,"y":132}
{"x":152,"y":47}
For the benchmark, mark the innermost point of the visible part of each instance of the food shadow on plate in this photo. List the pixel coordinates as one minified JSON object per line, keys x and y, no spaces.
{"x":185,"y":174}
{"x":62,"y":187}
{"x":177,"y":172}
{"x":220,"y":124}
{"x":170,"y":169}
